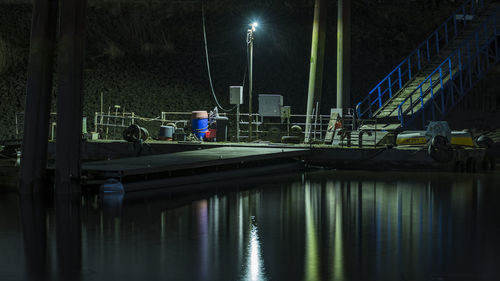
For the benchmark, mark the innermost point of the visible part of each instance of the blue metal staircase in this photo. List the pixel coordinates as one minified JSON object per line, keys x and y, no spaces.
{"x":435,"y":76}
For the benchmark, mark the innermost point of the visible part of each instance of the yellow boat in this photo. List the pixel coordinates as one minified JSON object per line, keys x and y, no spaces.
{"x":458,"y":138}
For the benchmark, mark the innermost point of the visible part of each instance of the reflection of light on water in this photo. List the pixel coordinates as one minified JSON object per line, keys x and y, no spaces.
{"x":240,"y":229}
{"x":255,"y":269}
{"x":311,"y":260}
{"x":338,"y":257}
{"x":334,"y":213}
{"x":202,"y":209}
{"x":254,"y":253}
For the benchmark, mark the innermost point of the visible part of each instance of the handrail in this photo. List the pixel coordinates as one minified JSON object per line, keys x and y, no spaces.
{"x":485,"y":32}
{"x":412,"y":64}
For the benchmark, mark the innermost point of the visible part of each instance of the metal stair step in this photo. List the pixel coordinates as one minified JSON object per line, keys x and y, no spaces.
{"x":389,"y":109}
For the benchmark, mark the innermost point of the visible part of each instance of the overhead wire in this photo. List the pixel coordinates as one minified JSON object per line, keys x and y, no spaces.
{"x":208,"y":62}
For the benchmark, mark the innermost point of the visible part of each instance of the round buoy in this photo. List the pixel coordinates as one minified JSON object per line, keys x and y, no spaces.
{"x":484,"y":141}
{"x":295,"y":130}
{"x":440,"y":149}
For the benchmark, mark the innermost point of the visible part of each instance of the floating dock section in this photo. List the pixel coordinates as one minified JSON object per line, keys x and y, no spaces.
{"x":194,"y":167}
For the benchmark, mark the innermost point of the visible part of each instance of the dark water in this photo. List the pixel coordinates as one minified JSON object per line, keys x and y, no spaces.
{"x":325,"y":225}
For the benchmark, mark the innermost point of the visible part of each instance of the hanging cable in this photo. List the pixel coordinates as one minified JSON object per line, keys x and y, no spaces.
{"x":246,"y":66}
{"x":244,"y":75}
{"x":208,"y":63}
{"x":247,"y":59}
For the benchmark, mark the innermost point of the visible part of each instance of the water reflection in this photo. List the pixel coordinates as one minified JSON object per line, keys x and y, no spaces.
{"x":41,"y":263}
{"x":112,"y":196}
{"x":311,"y":260}
{"x":34,"y":224}
{"x":255,"y":269}
{"x":202,"y":214}
{"x":327,"y":226}
{"x":112,"y":204}
{"x":69,"y":236}
{"x":338,"y":259}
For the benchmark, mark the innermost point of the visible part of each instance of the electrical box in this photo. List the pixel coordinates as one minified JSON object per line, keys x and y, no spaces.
{"x":270,"y":105}
{"x":286,"y":112}
{"x":236,"y":94}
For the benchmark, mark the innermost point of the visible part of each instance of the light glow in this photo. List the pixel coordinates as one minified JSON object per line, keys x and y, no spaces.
{"x":253,"y":25}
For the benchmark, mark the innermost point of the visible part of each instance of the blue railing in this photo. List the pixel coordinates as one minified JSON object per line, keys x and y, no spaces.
{"x":464,"y":57}
{"x":423,"y":54}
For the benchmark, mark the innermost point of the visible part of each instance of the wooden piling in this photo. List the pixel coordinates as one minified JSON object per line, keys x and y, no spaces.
{"x":70,"y":96}
{"x":38,"y":96}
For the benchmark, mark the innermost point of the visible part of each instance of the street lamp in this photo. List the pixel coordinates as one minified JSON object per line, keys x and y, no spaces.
{"x":250,"y":38}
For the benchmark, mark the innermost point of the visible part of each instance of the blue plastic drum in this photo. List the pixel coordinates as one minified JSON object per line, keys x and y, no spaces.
{"x":199,"y":123}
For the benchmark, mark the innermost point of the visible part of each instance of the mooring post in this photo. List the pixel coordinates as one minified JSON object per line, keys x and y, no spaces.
{"x":238,"y":123}
{"x":344,"y":54}
{"x":38,"y":96}
{"x":70,"y":97}
{"x":317,"y":59}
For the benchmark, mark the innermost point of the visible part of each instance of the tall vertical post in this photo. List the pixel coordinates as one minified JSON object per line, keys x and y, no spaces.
{"x":344,"y":54}
{"x":250,"y":79}
{"x":238,"y":122}
{"x":317,"y":59}
{"x":38,"y":96}
{"x":70,"y":97}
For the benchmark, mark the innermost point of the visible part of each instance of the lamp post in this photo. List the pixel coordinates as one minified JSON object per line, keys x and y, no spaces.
{"x":250,"y":38}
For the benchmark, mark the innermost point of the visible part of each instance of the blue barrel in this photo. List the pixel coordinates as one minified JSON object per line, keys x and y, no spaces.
{"x":199,"y":123}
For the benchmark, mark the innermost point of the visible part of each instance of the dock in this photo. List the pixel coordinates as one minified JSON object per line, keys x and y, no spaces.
{"x":195,"y":166}
{"x":166,"y":165}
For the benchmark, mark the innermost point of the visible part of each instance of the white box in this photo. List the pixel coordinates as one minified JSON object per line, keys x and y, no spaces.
{"x":270,"y":105}
{"x":235,"y":94}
